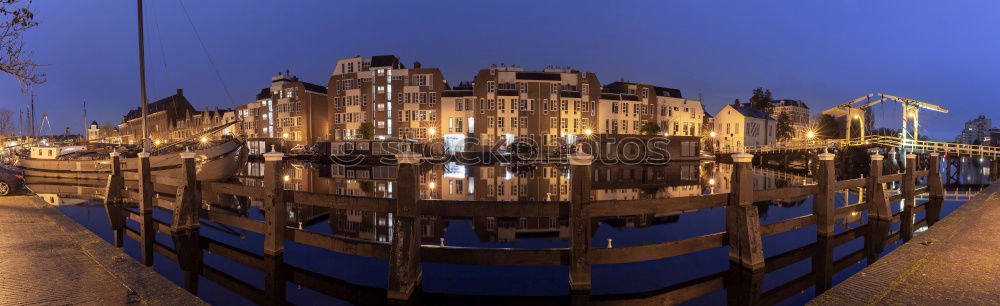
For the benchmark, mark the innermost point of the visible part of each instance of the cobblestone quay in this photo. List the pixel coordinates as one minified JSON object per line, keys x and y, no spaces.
{"x":47,"y":258}
{"x":955,"y":262}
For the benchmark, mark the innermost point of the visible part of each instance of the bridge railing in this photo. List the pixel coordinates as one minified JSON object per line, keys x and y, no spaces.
{"x":405,"y":253}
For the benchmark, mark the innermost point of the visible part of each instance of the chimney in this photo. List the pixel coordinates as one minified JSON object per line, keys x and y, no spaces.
{"x":180,"y":92}
{"x":416,"y":65}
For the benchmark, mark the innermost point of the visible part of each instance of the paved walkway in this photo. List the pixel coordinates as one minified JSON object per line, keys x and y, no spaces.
{"x":955,"y":262}
{"x":47,"y":258}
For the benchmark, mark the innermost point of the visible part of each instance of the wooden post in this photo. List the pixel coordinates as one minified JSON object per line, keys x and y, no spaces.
{"x":113,"y":200}
{"x":909,"y":186}
{"x":823,"y":200}
{"x":188,"y":206}
{"x":935,"y":184}
{"x":147,"y":228}
{"x":274,"y":204}
{"x":742,"y":221}
{"x":579,"y":222}
{"x":405,"y":270}
{"x":878,"y":200}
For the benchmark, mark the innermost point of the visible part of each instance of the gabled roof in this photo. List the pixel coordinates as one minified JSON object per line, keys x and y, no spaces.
{"x":750,"y":112}
{"x":152,"y":108}
{"x":539,"y":76}
{"x":668,"y":92}
{"x":386,"y":61}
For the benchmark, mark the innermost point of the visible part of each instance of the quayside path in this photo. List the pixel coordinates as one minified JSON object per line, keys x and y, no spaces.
{"x":47,"y":258}
{"x":956,"y":262}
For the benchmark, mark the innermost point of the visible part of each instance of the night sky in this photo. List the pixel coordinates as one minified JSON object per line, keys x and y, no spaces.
{"x":823,"y":52}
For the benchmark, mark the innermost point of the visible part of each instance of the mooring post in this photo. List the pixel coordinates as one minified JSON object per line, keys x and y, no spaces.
{"x":188,"y":205}
{"x":405,"y":270}
{"x":823,"y":201}
{"x":909,"y":186}
{"x":579,"y":221}
{"x":276,"y":215}
{"x":878,"y":200}
{"x":742,"y":221}
{"x":935,"y":184}
{"x":147,"y":228}
{"x":113,"y":199}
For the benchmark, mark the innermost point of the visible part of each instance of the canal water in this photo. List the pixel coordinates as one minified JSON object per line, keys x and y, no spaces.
{"x":318,"y":276}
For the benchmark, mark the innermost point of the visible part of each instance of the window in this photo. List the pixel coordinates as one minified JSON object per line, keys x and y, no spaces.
{"x":500,"y":123}
{"x":645,"y":93}
{"x":381,"y":89}
{"x":501,"y":105}
{"x":491,"y":86}
{"x":545,"y":105}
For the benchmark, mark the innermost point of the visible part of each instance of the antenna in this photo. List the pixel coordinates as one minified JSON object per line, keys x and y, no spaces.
{"x":85,"y":125}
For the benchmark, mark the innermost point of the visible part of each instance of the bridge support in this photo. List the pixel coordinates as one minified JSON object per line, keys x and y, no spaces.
{"x":742,"y":221}
{"x":405,"y":270}
{"x":823,"y":203}
{"x":935,"y":185}
{"x":579,"y":222}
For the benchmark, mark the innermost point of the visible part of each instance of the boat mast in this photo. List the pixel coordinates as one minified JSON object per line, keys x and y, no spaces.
{"x":142,"y":84}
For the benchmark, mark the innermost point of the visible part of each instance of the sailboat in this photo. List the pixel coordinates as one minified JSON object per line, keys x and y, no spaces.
{"x":214,"y":160}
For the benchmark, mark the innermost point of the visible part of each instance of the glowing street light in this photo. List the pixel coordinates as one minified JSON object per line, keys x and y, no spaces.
{"x":810,"y":134}
{"x":287,"y":178}
{"x":856,"y":117}
{"x":432,"y":185}
{"x":588,"y":132}
{"x":432,"y":131}
{"x":204,"y":139}
{"x":284,"y":135}
{"x":712,"y":134}
{"x":156,"y":142}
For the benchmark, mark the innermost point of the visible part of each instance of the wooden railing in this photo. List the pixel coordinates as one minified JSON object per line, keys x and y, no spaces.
{"x":405,"y":254}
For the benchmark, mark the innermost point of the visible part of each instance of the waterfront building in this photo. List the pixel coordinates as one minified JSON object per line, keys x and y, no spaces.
{"x":196,"y":123}
{"x":161,"y":116}
{"x":737,"y":126}
{"x":666,"y":107}
{"x":976,"y":131}
{"x":798,"y":115}
{"x":289,"y":110}
{"x":398,"y":102}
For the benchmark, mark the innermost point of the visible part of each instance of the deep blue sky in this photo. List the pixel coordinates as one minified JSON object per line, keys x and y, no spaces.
{"x":823,"y":52}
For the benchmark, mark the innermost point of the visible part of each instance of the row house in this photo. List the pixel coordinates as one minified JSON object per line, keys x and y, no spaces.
{"x":161,"y":116}
{"x":195,"y":124}
{"x":397,"y":102}
{"x":638,"y":104}
{"x":291,"y":110}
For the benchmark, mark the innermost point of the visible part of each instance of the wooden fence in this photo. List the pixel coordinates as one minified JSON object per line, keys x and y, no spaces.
{"x":743,"y":234}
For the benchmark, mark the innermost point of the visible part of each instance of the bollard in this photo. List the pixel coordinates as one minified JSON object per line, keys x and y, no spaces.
{"x":579,"y":222}
{"x":188,"y":205}
{"x":276,"y":215}
{"x":742,"y":221}
{"x":113,"y":200}
{"x":405,"y":271}
{"x":878,"y":199}
{"x":147,"y":228}
{"x":823,"y":203}
{"x":908,"y":186}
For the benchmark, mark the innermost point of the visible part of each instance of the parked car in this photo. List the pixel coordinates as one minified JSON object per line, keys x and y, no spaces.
{"x":301,"y":149}
{"x":10,"y":181}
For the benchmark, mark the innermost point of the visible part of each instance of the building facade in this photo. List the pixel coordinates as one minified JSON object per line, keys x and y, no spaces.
{"x":291,"y":110}
{"x":737,"y":126}
{"x":798,"y":115}
{"x":397,"y":102}
{"x":161,"y":117}
{"x":976,"y":131}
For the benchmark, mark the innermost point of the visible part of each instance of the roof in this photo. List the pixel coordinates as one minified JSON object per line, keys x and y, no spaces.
{"x":385,"y":61}
{"x":750,"y":112}
{"x":457,"y":93}
{"x":539,"y":76}
{"x":668,"y":92}
{"x":789,"y":102}
{"x":265,"y":93}
{"x":314,"y":88}
{"x":630,"y":97}
{"x":610,"y":96}
{"x":151,"y":108}
{"x":619,"y":86}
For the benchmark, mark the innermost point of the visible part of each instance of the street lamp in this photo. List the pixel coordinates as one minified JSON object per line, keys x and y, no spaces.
{"x":204,"y":139}
{"x":432,"y":131}
{"x":712,"y":134}
{"x":588,"y":132}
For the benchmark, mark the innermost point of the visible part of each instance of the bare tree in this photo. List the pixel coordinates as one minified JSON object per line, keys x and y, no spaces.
{"x":15,"y":19}
{"x":6,"y":122}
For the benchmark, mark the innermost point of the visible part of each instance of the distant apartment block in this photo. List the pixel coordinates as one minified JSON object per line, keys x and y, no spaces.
{"x":976,"y":131}
{"x":798,"y":114}
{"x":289,"y":109}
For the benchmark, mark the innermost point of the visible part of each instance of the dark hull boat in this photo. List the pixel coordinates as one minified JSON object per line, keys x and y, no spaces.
{"x":215,"y":162}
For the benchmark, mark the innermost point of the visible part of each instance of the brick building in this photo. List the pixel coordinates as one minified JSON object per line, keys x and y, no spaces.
{"x":289,"y":109}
